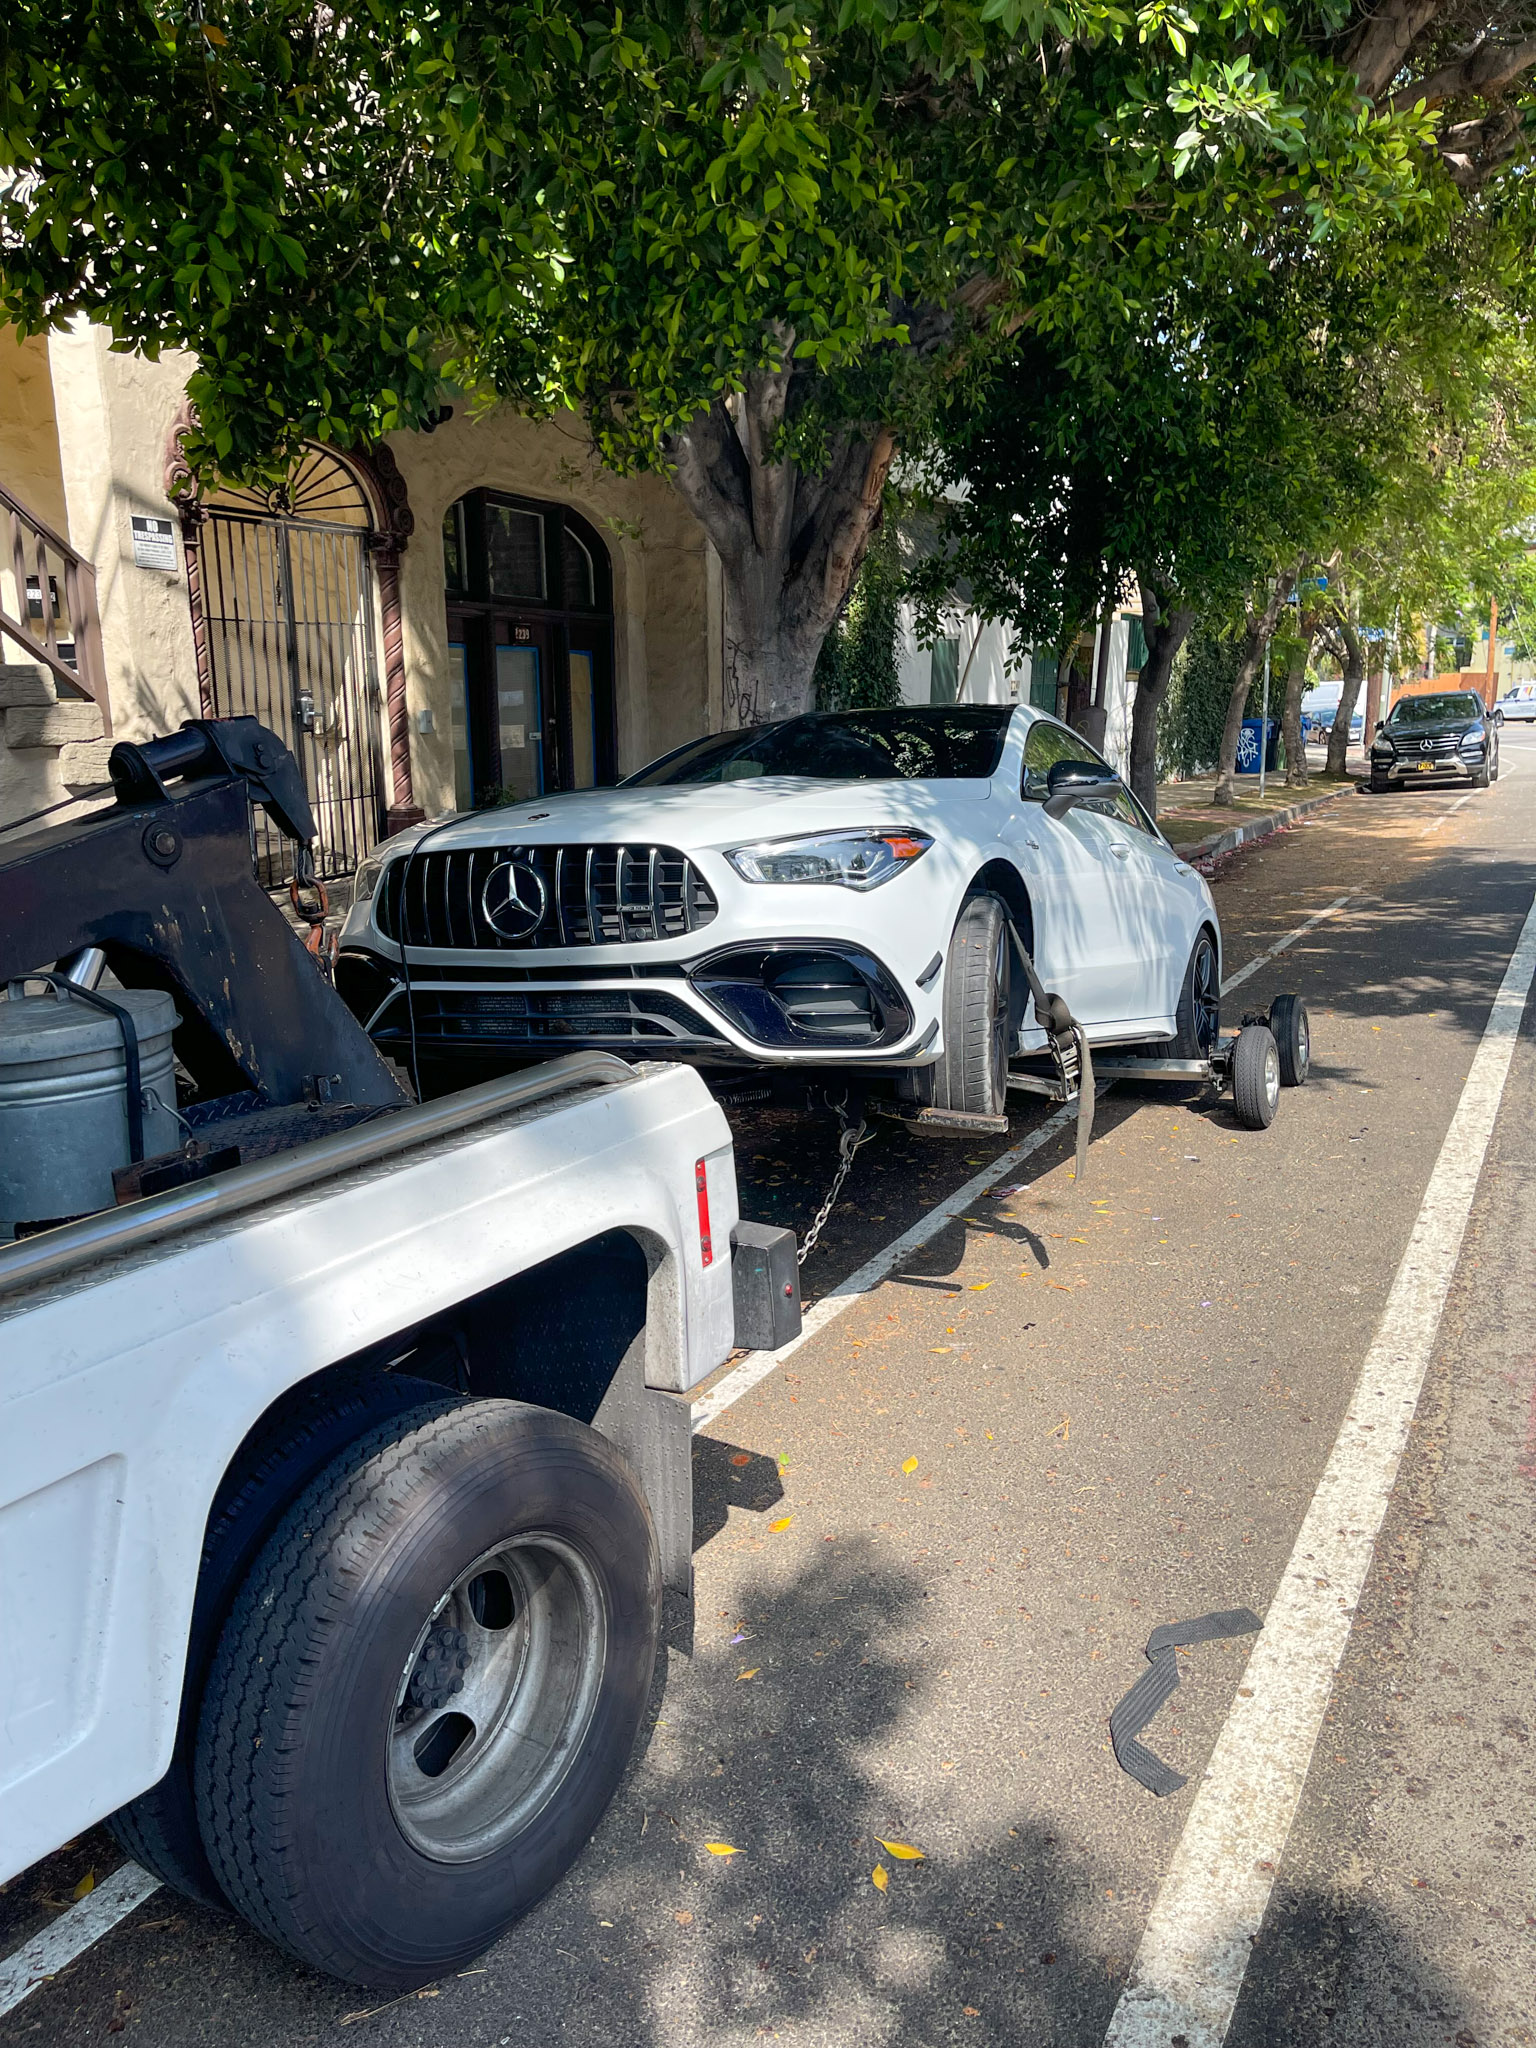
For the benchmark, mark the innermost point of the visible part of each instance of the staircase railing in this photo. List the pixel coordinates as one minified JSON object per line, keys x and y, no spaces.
{"x":48,"y":605}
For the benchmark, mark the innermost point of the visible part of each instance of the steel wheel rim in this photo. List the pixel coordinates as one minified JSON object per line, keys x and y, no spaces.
{"x":468,"y":1769}
{"x":1303,"y":1043}
{"x":1206,"y":998}
{"x":1272,"y":1076}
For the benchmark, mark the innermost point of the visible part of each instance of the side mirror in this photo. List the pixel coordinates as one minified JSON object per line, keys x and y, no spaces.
{"x":1381,"y":726}
{"x":1072,"y":782}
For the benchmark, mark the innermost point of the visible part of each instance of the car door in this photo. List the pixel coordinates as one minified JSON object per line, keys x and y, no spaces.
{"x":1160,"y":903}
{"x":1086,"y":945}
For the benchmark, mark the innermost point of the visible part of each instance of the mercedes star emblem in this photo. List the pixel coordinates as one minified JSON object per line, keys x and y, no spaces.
{"x":1426,"y":746}
{"x":514,"y":899}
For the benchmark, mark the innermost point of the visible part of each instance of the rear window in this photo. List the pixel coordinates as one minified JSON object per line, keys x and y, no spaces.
{"x":1432,"y":710}
{"x":942,"y":743}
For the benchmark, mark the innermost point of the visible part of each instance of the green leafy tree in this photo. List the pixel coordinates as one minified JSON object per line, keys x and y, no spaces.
{"x":857,"y":668}
{"x":757,"y":246}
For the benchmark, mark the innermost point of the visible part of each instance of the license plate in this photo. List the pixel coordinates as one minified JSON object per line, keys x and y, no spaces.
{"x":1427,"y":767}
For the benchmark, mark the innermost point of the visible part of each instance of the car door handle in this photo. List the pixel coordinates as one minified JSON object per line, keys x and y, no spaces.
{"x":1119,"y":849}
{"x":1182,"y":867}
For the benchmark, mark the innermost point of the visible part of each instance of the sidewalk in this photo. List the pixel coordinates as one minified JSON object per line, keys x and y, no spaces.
{"x":1198,"y":826}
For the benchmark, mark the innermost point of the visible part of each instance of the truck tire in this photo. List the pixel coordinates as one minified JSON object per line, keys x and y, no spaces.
{"x":297,"y":1438}
{"x":428,"y":1690}
{"x":972,"y":1072}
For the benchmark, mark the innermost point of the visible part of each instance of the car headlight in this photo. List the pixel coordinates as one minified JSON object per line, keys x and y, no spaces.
{"x":366,"y":880}
{"x":1474,"y":737}
{"x":851,"y":860}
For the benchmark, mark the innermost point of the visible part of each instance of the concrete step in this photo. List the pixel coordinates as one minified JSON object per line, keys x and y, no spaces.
{"x":25,"y":683}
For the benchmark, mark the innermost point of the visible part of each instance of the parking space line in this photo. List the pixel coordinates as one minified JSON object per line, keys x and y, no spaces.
{"x":72,"y":1933}
{"x":1455,"y":807}
{"x":1194,"y":1952}
{"x":1263,"y":959}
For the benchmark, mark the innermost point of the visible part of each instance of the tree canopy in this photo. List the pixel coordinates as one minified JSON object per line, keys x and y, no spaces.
{"x":757,"y":246}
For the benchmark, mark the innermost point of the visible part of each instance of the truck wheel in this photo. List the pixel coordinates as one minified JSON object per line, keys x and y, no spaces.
{"x":1198,"y":1020}
{"x":972,"y":1072}
{"x":1256,"y":1077}
{"x":298,"y":1437}
{"x":428,"y":1690}
{"x":1292,"y":1031}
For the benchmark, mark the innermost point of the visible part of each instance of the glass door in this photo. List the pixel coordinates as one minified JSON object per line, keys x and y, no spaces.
{"x":520,"y":678}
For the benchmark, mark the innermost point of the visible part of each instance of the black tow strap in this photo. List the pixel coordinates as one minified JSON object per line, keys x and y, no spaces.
{"x":1157,"y":1685}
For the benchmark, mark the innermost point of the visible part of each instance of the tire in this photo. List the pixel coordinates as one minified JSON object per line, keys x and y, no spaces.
{"x":1379,"y":785}
{"x":1198,"y":1021}
{"x":1256,"y":1077}
{"x":1480,"y":777}
{"x":972,"y":1072}
{"x":1291,"y":1029}
{"x":489,"y":1577}
{"x":299,"y":1437}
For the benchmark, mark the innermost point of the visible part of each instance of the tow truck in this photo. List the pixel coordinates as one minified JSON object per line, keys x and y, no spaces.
{"x":345,"y":1441}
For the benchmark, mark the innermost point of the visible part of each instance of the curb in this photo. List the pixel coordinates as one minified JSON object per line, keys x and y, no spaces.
{"x":1259,"y":828}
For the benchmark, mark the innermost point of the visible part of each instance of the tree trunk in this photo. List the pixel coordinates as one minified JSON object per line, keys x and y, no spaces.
{"x":1165,"y":626}
{"x":789,"y":542}
{"x":1297,"y":775}
{"x":1261,"y":628}
{"x":1354,"y":674}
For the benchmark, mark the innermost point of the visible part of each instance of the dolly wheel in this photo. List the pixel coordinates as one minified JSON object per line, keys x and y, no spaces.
{"x":1289,"y":1022}
{"x":1256,"y":1077}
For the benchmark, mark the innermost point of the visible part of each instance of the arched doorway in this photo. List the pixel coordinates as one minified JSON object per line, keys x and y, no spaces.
{"x":530,"y":648}
{"x":287,"y":600}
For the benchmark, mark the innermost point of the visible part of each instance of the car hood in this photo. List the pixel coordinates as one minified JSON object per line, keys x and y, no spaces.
{"x":693,"y":816}
{"x":1441,"y":728}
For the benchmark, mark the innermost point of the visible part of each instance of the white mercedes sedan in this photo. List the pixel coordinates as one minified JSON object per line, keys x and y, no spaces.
{"x":860,"y":890}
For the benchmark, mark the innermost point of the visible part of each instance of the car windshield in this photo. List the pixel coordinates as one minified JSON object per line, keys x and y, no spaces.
{"x":1433,"y":710}
{"x":946,"y":742}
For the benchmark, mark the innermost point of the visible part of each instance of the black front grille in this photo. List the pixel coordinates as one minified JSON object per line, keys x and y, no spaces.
{"x":593,"y":896}
{"x":548,"y":1016}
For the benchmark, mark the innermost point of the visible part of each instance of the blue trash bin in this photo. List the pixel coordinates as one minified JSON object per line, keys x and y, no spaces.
{"x":1248,"y":746}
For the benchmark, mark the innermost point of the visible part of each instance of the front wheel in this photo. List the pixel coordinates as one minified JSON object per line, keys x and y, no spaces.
{"x":1198,"y":1023}
{"x":428,"y":1690}
{"x":972,"y":1073}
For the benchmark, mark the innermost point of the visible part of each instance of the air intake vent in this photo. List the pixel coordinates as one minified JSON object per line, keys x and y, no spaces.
{"x":563,"y":896}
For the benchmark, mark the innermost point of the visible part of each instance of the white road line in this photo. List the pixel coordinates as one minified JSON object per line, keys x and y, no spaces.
{"x":1455,"y":807}
{"x":1280,"y":945}
{"x":1189,"y":1969}
{"x":73,"y":1932}
{"x":758,"y":1364}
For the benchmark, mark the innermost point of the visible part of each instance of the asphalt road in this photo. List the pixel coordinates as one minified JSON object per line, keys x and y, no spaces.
{"x":1123,"y":1427}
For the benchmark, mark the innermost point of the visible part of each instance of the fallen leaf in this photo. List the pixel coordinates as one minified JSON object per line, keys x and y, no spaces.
{"x":720,"y":1848}
{"x":909,"y":1465}
{"x":903,"y":1851}
{"x":683,"y":1919}
{"x":1077,"y":1240}
{"x":748,"y":1674}
{"x":972,"y":2012}
{"x":86,"y":1884}
{"x":741,"y":1458}
{"x":782,"y":1523}
{"x":941,"y":1347}
{"x":981,"y":1286}
{"x":879,"y":1877}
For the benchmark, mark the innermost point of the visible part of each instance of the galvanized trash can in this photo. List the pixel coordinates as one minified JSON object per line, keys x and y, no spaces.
{"x":64,"y":1106}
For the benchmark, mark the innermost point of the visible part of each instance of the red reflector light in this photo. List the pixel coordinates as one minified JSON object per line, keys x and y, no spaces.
{"x":701,"y":1184}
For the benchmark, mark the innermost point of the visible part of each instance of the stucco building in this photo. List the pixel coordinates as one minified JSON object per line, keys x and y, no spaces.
{"x":455,"y":613}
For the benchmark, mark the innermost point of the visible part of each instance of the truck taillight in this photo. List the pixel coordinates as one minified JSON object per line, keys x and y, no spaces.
{"x":701,"y":1184}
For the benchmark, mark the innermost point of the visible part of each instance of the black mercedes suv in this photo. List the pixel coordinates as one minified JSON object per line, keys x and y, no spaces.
{"x":1445,"y":732}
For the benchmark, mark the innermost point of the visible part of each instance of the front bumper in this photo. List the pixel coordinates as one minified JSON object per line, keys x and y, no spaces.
{"x":775,"y":1003}
{"x":1425,"y":767}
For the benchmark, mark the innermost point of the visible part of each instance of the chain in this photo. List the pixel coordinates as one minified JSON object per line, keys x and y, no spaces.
{"x":851,"y":1138}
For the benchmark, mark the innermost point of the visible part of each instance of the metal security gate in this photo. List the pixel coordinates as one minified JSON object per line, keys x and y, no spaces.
{"x":288,"y":604}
